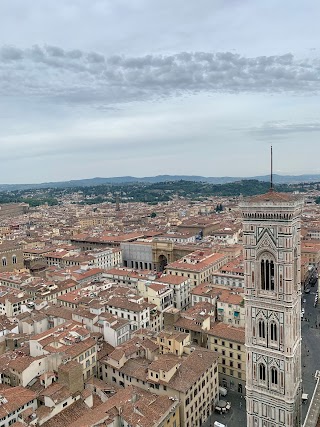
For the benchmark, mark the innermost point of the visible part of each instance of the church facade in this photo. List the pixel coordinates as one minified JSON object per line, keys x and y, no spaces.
{"x":272,"y":252}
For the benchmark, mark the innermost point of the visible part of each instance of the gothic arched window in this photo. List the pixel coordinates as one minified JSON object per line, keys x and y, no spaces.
{"x":274,"y":376}
{"x":267,"y":274}
{"x":262,"y":329}
{"x":273,"y":331}
{"x":262,"y":372}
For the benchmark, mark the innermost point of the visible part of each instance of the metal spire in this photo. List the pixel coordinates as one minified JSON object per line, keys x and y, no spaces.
{"x":271,"y":173}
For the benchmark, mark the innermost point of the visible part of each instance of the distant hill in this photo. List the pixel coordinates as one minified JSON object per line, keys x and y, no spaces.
{"x":278,"y":179}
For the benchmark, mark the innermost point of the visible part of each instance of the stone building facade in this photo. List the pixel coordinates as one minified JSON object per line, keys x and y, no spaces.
{"x":271,"y":234}
{"x":11,"y":257}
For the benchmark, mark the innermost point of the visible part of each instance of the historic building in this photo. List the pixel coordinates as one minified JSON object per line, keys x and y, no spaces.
{"x":271,"y":237}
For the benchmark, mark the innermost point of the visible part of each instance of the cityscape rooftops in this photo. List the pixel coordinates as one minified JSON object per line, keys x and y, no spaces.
{"x":13,"y":398}
{"x":228,"y":332}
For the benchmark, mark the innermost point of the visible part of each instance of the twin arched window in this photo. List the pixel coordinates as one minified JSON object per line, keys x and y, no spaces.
{"x":4,"y":261}
{"x":273,"y":374}
{"x":272,"y":330}
{"x":267,"y":274}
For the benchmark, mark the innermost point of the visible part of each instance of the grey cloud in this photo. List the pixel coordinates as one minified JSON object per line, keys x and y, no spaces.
{"x":74,"y":54}
{"x":76,"y":76}
{"x":55,"y":51}
{"x":282,"y":129}
{"x":95,"y":57}
{"x":10,"y":53}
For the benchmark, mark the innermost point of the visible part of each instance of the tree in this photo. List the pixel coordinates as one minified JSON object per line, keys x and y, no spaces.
{"x":153,"y":215}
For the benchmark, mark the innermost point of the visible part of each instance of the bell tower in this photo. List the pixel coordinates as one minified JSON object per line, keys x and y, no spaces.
{"x":271,"y":237}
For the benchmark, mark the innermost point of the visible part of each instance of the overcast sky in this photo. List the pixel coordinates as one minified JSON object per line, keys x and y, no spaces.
{"x":146,"y":87}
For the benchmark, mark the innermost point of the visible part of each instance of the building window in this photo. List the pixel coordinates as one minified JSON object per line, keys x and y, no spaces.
{"x":267,"y":274}
{"x":274,"y":376}
{"x":4,"y":261}
{"x":14,"y":259}
{"x":262,"y":372}
{"x":262,"y":329}
{"x":273,"y":332}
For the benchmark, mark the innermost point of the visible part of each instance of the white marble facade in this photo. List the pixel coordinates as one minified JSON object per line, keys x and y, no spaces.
{"x":271,"y":237}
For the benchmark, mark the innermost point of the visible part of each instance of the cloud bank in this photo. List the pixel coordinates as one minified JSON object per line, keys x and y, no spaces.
{"x":282,"y":129}
{"x":75,"y":76}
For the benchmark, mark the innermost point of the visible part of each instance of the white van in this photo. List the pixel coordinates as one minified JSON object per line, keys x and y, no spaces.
{"x":217,"y":424}
{"x":223,"y":391}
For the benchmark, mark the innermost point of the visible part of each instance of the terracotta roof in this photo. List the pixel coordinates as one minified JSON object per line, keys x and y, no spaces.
{"x":80,"y":347}
{"x":22,"y":362}
{"x":171,"y":279}
{"x":192,"y":368}
{"x":164,"y":362}
{"x":273,"y":196}
{"x":69,"y":415}
{"x":197,"y":261}
{"x":187,"y":324}
{"x":228,"y":332}
{"x":57,"y":392}
{"x":158,"y":287}
{"x":175,"y":335}
{"x":124,"y":303}
{"x":16,"y":397}
{"x":137,"y":407}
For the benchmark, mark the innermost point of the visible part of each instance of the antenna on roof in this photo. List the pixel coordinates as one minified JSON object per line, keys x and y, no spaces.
{"x":271,"y":173}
